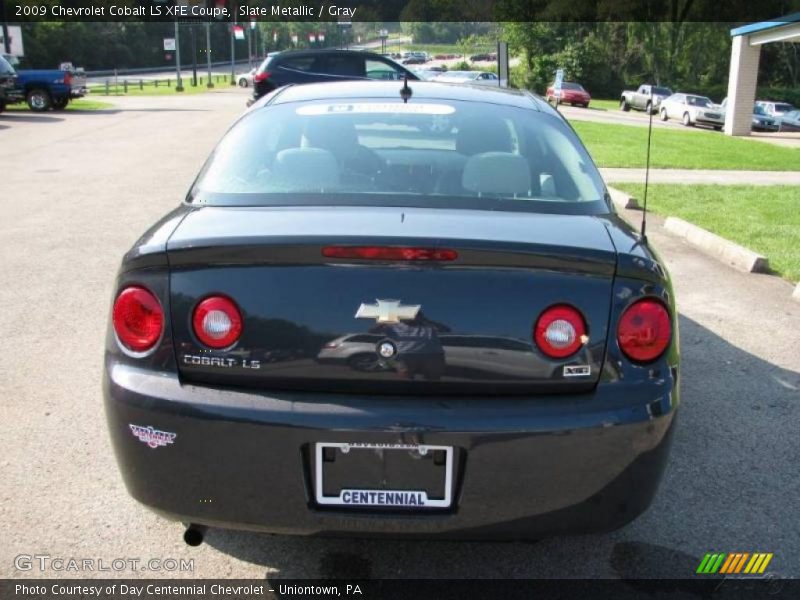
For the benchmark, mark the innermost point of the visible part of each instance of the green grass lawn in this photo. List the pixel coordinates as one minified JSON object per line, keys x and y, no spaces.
{"x":79,"y":104}
{"x":765,"y":219}
{"x":626,"y":145}
{"x":604,"y":104}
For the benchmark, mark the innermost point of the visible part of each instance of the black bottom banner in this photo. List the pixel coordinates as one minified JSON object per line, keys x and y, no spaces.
{"x":328,"y":589}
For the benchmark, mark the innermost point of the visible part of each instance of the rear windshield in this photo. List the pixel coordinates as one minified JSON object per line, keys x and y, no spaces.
{"x":435,"y":153}
{"x":662,"y":91}
{"x":572,"y":86}
{"x":782,"y":107}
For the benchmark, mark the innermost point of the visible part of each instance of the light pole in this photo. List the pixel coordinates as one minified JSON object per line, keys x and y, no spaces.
{"x":210,"y":84}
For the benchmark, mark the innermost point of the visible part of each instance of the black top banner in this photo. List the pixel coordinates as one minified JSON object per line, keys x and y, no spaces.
{"x":346,"y":11}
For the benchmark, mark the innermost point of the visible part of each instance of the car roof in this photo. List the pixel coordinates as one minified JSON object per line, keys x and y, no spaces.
{"x":323,"y":51}
{"x":422,"y":90}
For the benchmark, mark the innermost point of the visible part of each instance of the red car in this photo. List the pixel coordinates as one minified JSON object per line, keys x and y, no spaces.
{"x":571,"y":93}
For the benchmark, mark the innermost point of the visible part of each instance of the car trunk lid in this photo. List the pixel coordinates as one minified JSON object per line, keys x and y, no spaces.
{"x":320,"y":322}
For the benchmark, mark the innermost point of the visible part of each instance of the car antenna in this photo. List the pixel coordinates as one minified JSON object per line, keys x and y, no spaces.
{"x":647,"y":167}
{"x":405,"y":91}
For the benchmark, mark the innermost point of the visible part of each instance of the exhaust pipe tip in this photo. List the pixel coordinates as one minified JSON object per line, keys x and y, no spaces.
{"x":194,"y":534}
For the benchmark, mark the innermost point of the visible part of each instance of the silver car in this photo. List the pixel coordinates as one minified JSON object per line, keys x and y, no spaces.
{"x":761,"y":120}
{"x":692,"y":110}
{"x":473,"y":77}
{"x":246,"y":79}
{"x":775,"y":109}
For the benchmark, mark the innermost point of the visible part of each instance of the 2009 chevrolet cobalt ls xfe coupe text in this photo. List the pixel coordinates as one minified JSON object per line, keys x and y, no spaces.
{"x":410,"y":314}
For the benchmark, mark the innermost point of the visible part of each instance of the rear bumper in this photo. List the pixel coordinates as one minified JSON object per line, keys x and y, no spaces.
{"x":525,"y":468}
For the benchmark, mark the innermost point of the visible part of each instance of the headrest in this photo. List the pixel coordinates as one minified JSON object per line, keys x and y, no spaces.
{"x":298,"y":169}
{"x":330,"y":133}
{"x":485,"y":135}
{"x":497,"y":173}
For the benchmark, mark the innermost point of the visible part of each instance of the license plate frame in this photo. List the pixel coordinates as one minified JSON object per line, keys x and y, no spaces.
{"x":374,"y":494}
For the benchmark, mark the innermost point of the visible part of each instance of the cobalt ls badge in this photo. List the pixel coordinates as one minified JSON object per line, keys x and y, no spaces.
{"x":152,"y":437}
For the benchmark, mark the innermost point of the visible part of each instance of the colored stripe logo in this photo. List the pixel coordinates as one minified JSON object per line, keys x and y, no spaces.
{"x":743,"y":563}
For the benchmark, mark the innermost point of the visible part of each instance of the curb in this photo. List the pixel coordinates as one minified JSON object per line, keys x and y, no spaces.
{"x":622,"y":200}
{"x":796,"y":293}
{"x":724,"y":250}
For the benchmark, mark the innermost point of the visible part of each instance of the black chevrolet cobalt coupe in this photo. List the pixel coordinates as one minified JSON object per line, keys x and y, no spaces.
{"x":394,"y":310}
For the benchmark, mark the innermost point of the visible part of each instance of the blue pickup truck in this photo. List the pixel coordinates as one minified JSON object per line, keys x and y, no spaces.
{"x":44,"y":89}
{"x":8,"y":83}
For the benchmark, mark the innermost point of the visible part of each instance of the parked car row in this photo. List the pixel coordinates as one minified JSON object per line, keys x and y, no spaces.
{"x":42,"y":89}
{"x":694,"y":109}
{"x":309,"y":66}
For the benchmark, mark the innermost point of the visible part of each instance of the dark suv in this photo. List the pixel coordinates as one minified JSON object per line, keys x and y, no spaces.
{"x":8,"y":78}
{"x":314,"y":66}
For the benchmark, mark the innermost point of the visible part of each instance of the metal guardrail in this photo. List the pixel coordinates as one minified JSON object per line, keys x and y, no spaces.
{"x":144,"y":70}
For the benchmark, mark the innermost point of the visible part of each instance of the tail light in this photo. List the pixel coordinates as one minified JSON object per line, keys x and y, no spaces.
{"x":217,"y":322}
{"x":138,"y":319}
{"x":67,"y":78}
{"x":389,"y":253}
{"x":261,"y":76}
{"x":560,"y":331}
{"x":644,"y":330}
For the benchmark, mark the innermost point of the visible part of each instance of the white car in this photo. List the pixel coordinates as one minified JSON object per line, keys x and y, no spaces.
{"x":692,"y":110}
{"x":246,"y":79}
{"x":473,"y":77}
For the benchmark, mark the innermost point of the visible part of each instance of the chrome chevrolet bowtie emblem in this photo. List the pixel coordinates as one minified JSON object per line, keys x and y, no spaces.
{"x":387,"y":311}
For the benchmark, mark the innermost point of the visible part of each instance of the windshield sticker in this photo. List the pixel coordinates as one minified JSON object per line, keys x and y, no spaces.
{"x":375,"y":108}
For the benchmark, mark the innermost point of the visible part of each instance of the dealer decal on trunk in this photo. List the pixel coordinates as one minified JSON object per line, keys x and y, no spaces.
{"x":152,"y":437}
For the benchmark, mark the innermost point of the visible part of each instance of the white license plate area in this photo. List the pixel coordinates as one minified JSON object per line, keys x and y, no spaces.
{"x":376,"y":471}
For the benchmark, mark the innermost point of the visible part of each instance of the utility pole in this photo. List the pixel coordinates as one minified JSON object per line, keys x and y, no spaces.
{"x":250,"y":49}
{"x":233,"y":47}
{"x":194,"y":56}
{"x":210,"y":84}
{"x":179,"y":84}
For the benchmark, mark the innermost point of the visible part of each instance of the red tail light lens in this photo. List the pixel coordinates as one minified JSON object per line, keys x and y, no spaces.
{"x":67,"y":78}
{"x":138,"y":319}
{"x":261,"y":76}
{"x":389,"y":253}
{"x":644,"y":331}
{"x":217,"y":322}
{"x":560,"y":331}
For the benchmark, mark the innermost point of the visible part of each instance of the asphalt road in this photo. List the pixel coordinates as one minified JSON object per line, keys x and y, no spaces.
{"x":78,"y":188}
